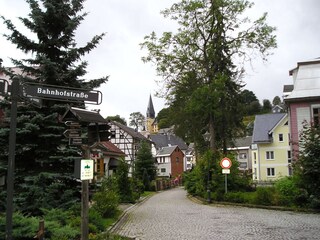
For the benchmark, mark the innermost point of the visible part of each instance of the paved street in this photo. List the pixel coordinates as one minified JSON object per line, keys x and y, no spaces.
{"x":170,"y":215}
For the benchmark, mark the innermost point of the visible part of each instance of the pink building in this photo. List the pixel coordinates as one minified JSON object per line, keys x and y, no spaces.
{"x":303,"y":98}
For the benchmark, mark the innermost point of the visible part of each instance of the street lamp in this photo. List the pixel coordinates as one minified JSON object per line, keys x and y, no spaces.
{"x":207,"y":138}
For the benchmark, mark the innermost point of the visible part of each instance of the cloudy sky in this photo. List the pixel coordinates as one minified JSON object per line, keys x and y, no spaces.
{"x":126,"y":22}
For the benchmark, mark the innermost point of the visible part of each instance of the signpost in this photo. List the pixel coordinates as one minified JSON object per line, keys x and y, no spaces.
{"x":225,"y":163}
{"x":33,"y":91}
{"x":67,"y":94}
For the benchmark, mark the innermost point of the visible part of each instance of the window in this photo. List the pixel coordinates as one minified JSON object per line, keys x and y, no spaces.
{"x":113,"y":134}
{"x":177,"y":159}
{"x":316,"y":116}
{"x":270,"y":172}
{"x":280,"y":137}
{"x":269,"y":155}
{"x":289,"y":156}
{"x":242,"y":156}
{"x":255,"y":156}
{"x":163,"y":170}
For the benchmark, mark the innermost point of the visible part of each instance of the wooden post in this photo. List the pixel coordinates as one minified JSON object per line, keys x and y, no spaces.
{"x":85,"y":203}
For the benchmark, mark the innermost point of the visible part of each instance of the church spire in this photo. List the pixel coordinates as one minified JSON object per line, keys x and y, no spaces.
{"x":150,"y":109}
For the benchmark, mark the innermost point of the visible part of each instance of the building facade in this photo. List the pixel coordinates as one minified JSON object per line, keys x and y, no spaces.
{"x":303,"y":99}
{"x":271,"y":150}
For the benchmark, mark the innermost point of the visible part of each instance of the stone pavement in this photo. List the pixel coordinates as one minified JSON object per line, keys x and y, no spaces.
{"x":170,"y":215}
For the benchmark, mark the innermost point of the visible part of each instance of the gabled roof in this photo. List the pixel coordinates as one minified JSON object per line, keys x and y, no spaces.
{"x":165,"y":140}
{"x":83,"y":115}
{"x":264,"y":125}
{"x":130,"y":131}
{"x":109,"y":149}
{"x":244,"y":142}
{"x":166,"y":151}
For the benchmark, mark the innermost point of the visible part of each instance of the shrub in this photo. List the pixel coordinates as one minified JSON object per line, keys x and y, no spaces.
{"x":264,"y":196}
{"x":286,"y":191}
{"x":236,"y":197}
{"x":106,"y":203}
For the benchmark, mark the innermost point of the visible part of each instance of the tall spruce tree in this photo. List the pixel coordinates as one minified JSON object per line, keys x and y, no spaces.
{"x":202,"y":64}
{"x":56,"y":60}
{"x":145,"y":169}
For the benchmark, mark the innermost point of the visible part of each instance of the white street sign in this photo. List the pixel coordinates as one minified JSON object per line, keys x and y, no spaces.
{"x":86,"y":169}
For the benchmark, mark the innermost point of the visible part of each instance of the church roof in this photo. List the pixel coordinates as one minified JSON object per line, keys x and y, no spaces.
{"x":150,"y":110}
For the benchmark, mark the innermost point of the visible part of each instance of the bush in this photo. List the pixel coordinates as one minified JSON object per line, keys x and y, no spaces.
{"x":264,"y":196}
{"x":286,"y":191}
{"x":236,"y":197}
{"x":106,"y":203}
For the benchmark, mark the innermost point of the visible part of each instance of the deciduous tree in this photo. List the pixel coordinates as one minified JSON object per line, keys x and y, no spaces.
{"x":201,"y":63}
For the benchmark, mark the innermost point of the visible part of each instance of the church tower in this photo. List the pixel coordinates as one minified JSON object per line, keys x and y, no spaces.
{"x":151,"y":123}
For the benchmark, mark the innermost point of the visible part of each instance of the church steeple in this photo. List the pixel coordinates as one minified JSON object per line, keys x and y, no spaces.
{"x":150,"y":110}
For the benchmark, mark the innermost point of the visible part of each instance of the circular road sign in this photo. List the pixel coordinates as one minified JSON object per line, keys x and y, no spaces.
{"x":225,"y":163}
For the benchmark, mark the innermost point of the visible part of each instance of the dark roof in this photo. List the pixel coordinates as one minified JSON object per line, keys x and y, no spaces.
{"x":130,"y":131}
{"x":150,"y":110}
{"x":83,"y":115}
{"x":243,"y":142}
{"x":263,"y":124}
{"x":161,"y":141}
{"x":166,"y":151}
{"x":109,"y":149}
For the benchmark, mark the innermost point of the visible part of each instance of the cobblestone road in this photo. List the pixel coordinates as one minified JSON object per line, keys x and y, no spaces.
{"x":170,"y":215}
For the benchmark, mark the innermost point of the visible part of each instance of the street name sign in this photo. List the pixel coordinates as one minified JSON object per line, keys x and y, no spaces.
{"x":51,"y":92}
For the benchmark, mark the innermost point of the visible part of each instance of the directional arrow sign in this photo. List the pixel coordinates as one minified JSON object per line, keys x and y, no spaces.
{"x":72,"y":133}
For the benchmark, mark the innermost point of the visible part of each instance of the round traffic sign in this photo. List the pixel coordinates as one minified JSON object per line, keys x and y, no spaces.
{"x":225,"y":163}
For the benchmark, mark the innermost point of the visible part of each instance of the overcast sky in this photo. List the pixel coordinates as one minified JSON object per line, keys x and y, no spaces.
{"x":126,"y":22}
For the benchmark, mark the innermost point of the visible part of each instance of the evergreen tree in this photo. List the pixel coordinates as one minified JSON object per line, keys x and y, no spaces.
{"x":56,"y":60}
{"x":266,"y":106}
{"x":145,"y":169}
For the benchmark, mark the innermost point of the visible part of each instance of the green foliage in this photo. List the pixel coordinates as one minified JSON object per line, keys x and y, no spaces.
{"x":46,"y":191}
{"x":307,"y":167}
{"x":137,"y":120}
{"x":118,"y":119}
{"x":145,"y":169}
{"x":23,"y":227}
{"x":55,"y":60}
{"x":106,"y":200}
{"x":264,"y":196}
{"x":124,"y":183}
{"x":208,"y":174}
{"x":164,"y":118}
{"x":201,"y":81}
{"x":286,"y":191}
{"x":240,"y":197}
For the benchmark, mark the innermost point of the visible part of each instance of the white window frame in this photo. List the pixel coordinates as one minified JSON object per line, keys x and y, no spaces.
{"x":271,"y":172}
{"x":281,"y":137}
{"x":269,"y":155}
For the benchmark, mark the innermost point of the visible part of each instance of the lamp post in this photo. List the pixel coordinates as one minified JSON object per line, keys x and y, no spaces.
{"x":207,"y":138}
